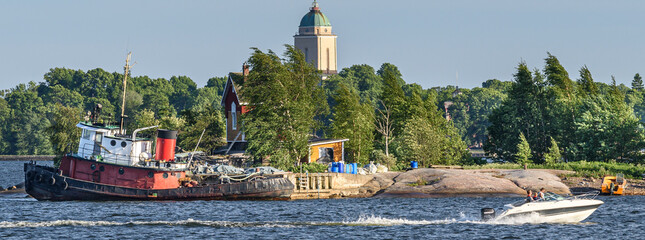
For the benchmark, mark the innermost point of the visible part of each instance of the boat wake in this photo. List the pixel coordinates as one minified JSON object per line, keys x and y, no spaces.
{"x":361,"y":221}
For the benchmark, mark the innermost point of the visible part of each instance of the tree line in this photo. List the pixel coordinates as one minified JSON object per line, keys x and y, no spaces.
{"x":40,"y":118}
{"x":540,"y":116}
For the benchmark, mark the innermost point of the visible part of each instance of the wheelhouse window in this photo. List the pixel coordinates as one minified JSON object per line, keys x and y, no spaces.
{"x":233,"y":117}
{"x":86,"y":134}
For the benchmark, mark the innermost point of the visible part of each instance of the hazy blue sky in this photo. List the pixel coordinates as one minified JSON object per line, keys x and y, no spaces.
{"x":430,"y":41}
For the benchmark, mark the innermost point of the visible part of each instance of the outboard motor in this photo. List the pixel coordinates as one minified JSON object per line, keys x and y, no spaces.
{"x":488,"y":214}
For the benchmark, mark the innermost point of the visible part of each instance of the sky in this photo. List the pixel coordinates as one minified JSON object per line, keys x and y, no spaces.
{"x":434,"y":43}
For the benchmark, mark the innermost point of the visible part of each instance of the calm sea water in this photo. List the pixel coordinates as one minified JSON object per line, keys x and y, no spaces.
{"x":402,"y":218}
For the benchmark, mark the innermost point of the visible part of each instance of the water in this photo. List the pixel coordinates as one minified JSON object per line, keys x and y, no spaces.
{"x":407,"y":218}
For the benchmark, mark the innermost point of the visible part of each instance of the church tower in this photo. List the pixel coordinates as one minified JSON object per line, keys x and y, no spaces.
{"x":316,"y":40}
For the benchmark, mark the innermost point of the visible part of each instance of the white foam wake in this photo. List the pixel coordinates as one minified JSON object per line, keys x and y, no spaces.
{"x":361,"y":221}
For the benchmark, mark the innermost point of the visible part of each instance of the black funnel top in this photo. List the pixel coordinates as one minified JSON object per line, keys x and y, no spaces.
{"x":167,"y":134}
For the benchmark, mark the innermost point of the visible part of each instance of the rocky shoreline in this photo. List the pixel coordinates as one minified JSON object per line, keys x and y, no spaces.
{"x":484,"y":182}
{"x":428,"y":182}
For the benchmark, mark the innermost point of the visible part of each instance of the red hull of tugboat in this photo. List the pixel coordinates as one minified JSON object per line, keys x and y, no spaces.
{"x":47,"y":183}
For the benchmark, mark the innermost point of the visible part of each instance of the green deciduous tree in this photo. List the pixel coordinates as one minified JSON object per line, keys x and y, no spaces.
{"x":208,"y":120}
{"x":430,"y":144}
{"x":63,"y":133}
{"x":354,"y":121}
{"x":27,"y":122}
{"x":282,"y":107}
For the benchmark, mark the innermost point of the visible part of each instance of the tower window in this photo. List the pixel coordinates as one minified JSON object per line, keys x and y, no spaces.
{"x":306,"y":54}
{"x":327,"y":60}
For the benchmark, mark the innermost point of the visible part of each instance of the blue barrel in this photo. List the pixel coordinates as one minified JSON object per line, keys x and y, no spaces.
{"x":348,"y":168}
{"x":414,"y":164}
{"x":334,"y":169}
{"x":341,"y":167}
{"x":354,"y":168}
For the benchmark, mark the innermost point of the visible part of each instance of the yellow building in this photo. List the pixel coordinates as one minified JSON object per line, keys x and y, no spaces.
{"x":316,"y":40}
{"x":326,"y":150}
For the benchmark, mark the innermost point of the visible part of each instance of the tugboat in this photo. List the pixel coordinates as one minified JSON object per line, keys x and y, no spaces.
{"x":110,"y":165}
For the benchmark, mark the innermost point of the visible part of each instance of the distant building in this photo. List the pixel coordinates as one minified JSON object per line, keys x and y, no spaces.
{"x":316,"y":40}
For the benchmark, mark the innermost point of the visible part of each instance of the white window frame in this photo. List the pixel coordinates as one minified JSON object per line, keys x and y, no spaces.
{"x":233,"y":116}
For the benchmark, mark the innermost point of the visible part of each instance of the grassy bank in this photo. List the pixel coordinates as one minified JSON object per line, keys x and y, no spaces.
{"x":582,"y":168}
{"x":26,"y":157}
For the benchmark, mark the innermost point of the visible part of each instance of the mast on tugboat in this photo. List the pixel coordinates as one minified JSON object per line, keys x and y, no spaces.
{"x":126,"y":69}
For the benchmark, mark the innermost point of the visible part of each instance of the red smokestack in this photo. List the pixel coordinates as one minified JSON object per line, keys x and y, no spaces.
{"x":166,"y":142}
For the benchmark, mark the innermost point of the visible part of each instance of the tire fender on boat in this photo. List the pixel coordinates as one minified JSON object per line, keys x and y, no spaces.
{"x":40,"y":178}
{"x":51,"y":180}
{"x":64,"y":184}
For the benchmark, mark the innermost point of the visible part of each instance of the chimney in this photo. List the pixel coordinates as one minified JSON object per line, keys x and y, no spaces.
{"x":245,"y":69}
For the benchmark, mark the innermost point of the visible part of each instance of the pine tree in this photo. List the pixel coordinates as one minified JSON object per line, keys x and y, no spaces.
{"x":586,"y":83}
{"x":637,"y":83}
{"x":523,"y":154}
{"x":553,"y":156}
{"x":523,"y":111}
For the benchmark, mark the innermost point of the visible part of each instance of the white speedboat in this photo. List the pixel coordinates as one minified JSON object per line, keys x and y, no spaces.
{"x":553,"y":209}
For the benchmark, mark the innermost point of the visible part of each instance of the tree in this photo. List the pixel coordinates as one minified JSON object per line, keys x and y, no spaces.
{"x":553,"y":156}
{"x":384,"y":127}
{"x":281,"y":96}
{"x":209,"y":120}
{"x":63,"y":133}
{"x":393,"y":97}
{"x":523,"y":154}
{"x":637,"y":83}
{"x":392,"y":69}
{"x":183,"y":92}
{"x":429,"y":144}
{"x":217,"y":83}
{"x":26,"y":131}
{"x":5,"y":112}
{"x":523,"y":111}
{"x":207,"y":97}
{"x":562,"y":110}
{"x":354,"y":121}
{"x":363,"y":79}
{"x":587,"y":86}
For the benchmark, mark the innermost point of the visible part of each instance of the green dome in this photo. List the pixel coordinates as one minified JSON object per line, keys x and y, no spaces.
{"x":315,"y":18}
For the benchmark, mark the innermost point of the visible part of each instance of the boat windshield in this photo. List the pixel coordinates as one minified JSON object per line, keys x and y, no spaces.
{"x":549,"y":196}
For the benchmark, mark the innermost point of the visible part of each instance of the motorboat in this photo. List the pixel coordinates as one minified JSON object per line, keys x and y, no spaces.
{"x":552,"y":209}
{"x":613,"y":185}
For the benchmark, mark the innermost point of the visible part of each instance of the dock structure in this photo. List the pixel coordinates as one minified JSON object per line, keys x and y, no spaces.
{"x":326,"y":185}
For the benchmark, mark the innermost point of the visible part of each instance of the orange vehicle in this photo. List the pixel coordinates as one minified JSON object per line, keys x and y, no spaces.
{"x":613,"y":185}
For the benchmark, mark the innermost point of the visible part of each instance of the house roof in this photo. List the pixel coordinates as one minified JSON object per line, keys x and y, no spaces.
{"x":320,"y":141}
{"x":234,"y":81}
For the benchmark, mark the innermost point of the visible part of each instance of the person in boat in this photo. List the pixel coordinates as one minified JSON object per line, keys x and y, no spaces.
{"x":541,"y":194}
{"x":529,"y":195}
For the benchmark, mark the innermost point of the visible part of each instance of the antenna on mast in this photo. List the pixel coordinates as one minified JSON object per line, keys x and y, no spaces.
{"x":126,"y":70}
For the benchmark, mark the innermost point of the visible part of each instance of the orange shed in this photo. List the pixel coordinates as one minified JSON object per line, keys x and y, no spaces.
{"x":326,"y":150}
